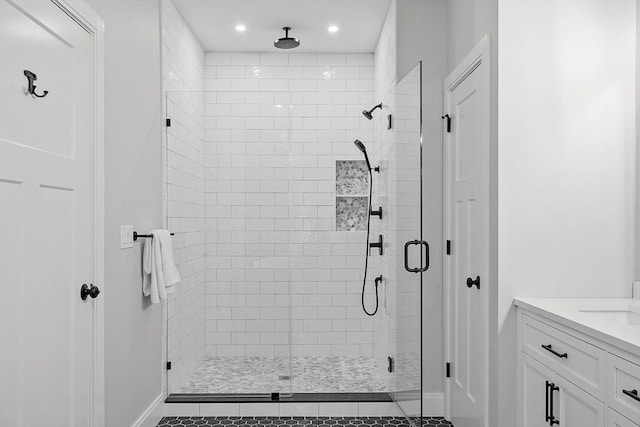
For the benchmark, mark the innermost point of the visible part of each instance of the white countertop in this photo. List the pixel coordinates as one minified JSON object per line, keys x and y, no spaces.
{"x":598,"y":317}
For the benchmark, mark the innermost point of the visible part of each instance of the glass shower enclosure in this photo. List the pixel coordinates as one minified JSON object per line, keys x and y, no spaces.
{"x":268,"y":200}
{"x":408,"y":252}
{"x":228,"y":201}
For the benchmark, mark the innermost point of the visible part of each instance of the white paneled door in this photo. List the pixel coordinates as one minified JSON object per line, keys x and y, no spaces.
{"x":467,"y":226}
{"x":47,"y":240}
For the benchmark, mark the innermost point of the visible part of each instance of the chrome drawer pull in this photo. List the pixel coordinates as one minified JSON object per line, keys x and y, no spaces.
{"x":632,"y":394}
{"x":560,"y":355}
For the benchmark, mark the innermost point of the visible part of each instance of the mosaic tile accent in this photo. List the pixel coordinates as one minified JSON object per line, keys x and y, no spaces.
{"x":352,"y":178}
{"x":311,"y":374}
{"x":351,"y":213}
{"x":298,"y":421}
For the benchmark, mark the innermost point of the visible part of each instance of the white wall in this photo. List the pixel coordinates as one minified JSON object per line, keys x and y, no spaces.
{"x":183,"y":192}
{"x":567,"y":158}
{"x":637,"y":242}
{"x":275,"y":126}
{"x":385,"y":55}
{"x":467,"y":22}
{"x":132,"y":196}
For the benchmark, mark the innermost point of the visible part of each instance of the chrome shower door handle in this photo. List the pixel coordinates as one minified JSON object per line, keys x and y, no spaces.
{"x":406,"y":256}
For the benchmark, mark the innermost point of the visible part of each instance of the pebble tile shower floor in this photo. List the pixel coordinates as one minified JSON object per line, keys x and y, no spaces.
{"x":298,"y":422}
{"x":311,"y":374}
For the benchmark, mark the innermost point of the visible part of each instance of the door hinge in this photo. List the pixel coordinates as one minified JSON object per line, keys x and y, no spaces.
{"x":168,"y":123}
{"x":448,"y":370}
{"x":168,"y":366}
{"x":448,"y":118}
{"x":448,"y":247}
{"x":390,"y":364}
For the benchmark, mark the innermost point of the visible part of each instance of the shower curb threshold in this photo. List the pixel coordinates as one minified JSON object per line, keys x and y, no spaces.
{"x":295,"y":398}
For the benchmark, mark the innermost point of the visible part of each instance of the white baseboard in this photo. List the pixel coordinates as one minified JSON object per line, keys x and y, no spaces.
{"x":150,"y":417}
{"x":433,"y":404}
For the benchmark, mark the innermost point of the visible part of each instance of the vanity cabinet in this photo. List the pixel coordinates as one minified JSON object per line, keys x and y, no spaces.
{"x":569,"y":379}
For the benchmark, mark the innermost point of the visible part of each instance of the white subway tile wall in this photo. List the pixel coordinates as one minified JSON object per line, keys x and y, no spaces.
{"x":280,"y":279}
{"x":183,"y":193}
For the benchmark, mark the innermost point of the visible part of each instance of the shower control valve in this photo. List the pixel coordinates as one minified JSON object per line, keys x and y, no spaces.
{"x":377,"y":213}
{"x":378,"y":244}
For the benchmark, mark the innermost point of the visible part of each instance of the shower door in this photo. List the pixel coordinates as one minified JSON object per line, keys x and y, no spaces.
{"x":227,"y":199}
{"x":408,"y":253}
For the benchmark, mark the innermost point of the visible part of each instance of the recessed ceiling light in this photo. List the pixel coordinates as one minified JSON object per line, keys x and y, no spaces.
{"x":333,"y":29}
{"x":240,"y":28}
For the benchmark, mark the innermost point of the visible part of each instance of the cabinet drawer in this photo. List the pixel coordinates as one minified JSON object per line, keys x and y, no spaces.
{"x":614,"y":419}
{"x":576,"y":360}
{"x":625,"y":379}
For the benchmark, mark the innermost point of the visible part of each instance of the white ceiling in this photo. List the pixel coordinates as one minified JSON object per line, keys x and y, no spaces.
{"x":213,"y":23}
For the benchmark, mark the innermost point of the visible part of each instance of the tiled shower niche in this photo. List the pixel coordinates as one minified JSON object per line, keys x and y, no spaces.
{"x":352,"y":194}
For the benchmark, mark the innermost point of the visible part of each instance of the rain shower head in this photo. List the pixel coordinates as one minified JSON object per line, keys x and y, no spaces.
{"x":367,"y":113}
{"x":362,"y":148}
{"x":286,"y":42}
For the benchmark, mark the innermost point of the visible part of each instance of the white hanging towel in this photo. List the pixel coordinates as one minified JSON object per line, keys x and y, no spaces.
{"x":159,"y":272}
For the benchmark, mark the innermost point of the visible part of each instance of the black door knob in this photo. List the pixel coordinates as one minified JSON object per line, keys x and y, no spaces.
{"x":86,"y":291}
{"x":94,"y":291}
{"x":471,"y":282}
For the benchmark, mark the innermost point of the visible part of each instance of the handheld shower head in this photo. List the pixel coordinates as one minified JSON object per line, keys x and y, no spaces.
{"x":367,"y":113}
{"x":362,"y":148}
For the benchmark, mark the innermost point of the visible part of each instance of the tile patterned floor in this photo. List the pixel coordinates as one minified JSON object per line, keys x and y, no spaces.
{"x":311,"y":374}
{"x":298,"y":422}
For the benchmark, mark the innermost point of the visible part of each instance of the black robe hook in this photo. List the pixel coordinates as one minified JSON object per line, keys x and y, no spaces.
{"x":32,"y":88}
